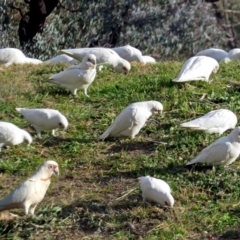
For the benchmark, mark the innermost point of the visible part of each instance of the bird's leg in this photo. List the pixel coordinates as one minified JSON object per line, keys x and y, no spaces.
{"x":39,"y":134}
{"x":32,"y":209}
{"x":1,"y":145}
{"x":26,"y":207}
{"x":85,"y":92}
{"x":54,"y":133}
{"x":144,"y":200}
{"x":75,"y":92}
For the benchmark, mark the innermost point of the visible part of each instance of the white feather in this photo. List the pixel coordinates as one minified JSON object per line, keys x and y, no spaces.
{"x":197,"y":68}
{"x":129,"y":53}
{"x":63,"y":58}
{"x":234,"y":54}
{"x":44,"y":119}
{"x":9,"y":56}
{"x":11,"y":135}
{"x":224,"y":151}
{"x":217,"y":54}
{"x":149,"y":59}
{"x":103,"y":55}
{"x":156,"y":190}
{"x":130,"y":121}
{"x":217,"y":121}
{"x":31,"y":192}
{"x":77,"y":77}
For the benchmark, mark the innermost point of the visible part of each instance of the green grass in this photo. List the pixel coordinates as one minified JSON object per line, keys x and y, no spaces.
{"x":97,"y":194}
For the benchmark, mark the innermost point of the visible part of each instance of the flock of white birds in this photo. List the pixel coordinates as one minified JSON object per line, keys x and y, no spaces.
{"x":128,"y":123}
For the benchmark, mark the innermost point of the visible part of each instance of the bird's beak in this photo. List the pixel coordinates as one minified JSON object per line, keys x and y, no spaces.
{"x":159,"y":111}
{"x":56,"y":171}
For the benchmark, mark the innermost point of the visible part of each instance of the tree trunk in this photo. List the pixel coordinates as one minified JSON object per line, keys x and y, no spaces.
{"x":32,"y":22}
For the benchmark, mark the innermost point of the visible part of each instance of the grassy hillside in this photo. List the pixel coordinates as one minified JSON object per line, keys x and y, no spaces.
{"x":97,"y":195}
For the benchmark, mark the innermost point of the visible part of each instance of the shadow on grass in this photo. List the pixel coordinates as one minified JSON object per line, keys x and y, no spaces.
{"x":89,"y":215}
{"x":229,"y":235}
{"x":55,"y":141}
{"x":144,"y":147}
{"x":93,"y":215}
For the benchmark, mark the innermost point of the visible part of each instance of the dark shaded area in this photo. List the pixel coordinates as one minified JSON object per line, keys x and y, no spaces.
{"x":55,"y":141}
{"x":211,"y":1}
{"x":146,"y":147}
{"x":32,"y":22}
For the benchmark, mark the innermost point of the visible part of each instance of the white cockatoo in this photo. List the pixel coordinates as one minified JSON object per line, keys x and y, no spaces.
{"x":197,"y":68}
{"x":217,"y":54}
{"x":77,"y":77}
{"x":11,"y":135}
{"x":9,"y":56}
{"x":149,"y":59}
{"x":129,"y":53}
{"x":234,"y":54}
{"x":130,"y":121}
{"x":63,"y":58}
{"x":156,"y":190}
{"x":30,"y":193}
{"x":44,"y":119}
{"x":217,"y":121}
{"x":103,"y":55}
{"x":224,"y":151}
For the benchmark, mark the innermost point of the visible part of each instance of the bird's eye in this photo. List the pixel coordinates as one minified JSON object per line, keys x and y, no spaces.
{"x":89,"y":59}
{"x":50,"y":166}
{"x":166,"y":203}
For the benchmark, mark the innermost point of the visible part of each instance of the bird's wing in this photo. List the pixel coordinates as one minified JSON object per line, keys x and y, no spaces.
{"x":124,"y":52}
{"x":196,"y":68}
{"x":63,"y":58}
{"x":69,"y":76}
{"x":217,"y":54}
{"x":77,"y":53}
{"x":103,"y":55}
{"x":5,"y":134}
{"x":20,"y":194}
{"x":214,"y":154}
{"x":125,"y":120}
{"x":160,"y":185}
{"x":35,"y":116}
{"x":213,"y":119}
